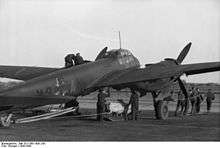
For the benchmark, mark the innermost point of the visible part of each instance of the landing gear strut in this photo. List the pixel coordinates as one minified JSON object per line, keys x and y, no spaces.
{"x":160,"y":107}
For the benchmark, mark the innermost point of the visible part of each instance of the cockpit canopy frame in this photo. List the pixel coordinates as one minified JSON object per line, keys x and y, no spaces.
{"x":117,"y":53}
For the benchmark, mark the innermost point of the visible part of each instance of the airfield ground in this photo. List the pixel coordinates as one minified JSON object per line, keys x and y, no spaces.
{"x":190,"y":128}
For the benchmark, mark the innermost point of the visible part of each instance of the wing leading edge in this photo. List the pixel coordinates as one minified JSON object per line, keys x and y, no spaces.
{"x":153,"y":72}
{"x":24,"y":72}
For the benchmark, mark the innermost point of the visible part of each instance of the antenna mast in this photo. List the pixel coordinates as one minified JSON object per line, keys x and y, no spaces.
{"x":119,"y":38}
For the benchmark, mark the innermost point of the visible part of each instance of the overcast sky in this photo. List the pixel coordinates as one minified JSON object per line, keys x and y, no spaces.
{"x":42,"y":32}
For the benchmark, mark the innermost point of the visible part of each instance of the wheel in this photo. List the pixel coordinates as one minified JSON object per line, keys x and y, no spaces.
{"x":162,"y":110}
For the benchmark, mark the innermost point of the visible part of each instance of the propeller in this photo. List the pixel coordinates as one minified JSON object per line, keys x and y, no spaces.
{"x":178,"y":61}
{"x":183,"y":53}
{"x":181,"y":56}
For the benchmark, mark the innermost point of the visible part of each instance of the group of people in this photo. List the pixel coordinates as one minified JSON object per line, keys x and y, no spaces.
{"x":72,"y":59}
{"x":102,"y":106}
{"x":195,"y":99}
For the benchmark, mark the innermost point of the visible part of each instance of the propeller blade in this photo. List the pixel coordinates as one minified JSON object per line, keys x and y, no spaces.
{"x":100,"y":55}
{"x":183,"y":53}
{"x":182,"y":87}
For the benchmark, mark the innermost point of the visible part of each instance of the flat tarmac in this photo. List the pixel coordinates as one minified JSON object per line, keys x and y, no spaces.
{"x":189,"y":128}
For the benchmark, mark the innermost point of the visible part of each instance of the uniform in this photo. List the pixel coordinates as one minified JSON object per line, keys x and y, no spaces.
{"x":209,"y":98}
{"x":186,"y":106}
{"x":181,"y":102}
{"x":101,"y":104}
{"x":78,"y":59}
{"x":69,"y":60}
{"x":134,"y":105}
{"x":199,"y":100}
{"x":192,"y":98}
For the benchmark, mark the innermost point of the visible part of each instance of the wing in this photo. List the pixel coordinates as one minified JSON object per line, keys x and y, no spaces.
{"x":192,"y":69}
{"x":32,"y":101}
{"x":153,"y":72}
{"x":24,"y":72}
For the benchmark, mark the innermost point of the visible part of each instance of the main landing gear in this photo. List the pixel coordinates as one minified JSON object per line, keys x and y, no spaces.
{"x":160,"y":107}
{"x":162,"y":110}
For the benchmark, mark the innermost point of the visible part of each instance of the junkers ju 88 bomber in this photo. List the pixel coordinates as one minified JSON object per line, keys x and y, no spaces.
{"x":117,"y":69}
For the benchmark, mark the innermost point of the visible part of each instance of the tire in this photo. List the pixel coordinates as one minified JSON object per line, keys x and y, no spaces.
{"x":162,"y":110}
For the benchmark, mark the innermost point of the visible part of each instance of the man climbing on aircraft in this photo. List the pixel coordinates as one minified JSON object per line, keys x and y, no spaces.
{"x":78,"y":59}
{"x":69,"y":60}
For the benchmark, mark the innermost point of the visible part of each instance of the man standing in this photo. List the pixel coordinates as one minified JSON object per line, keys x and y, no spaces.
{"x":134,"y":104}
{"x":100,"y":105}
{"x":209,"y":98}
{"x":199,"y":100}
{"x":69,"y":60}
{"x":192,"y":97}
{"x":78,"y":59}
{"x":180,"y":103}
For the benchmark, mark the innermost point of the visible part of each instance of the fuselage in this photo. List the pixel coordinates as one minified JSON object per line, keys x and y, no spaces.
{"x":76,"y":80}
